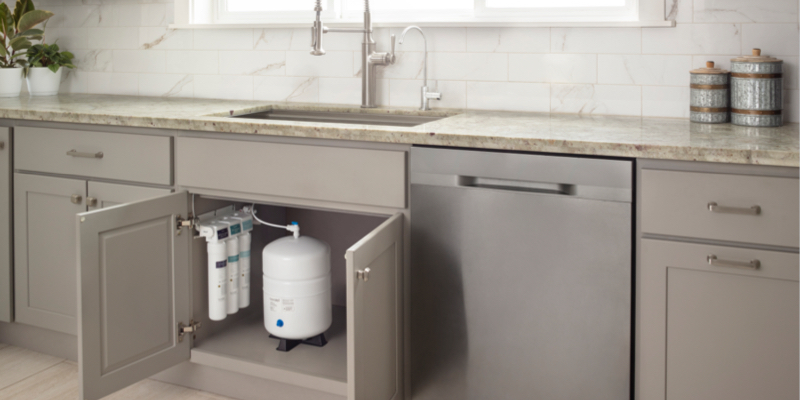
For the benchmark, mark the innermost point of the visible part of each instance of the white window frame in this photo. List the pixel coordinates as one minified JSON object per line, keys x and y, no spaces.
{"x":202,"y":14}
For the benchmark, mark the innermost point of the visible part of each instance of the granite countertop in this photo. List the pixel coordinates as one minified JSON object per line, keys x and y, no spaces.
{"x":656,"y":138}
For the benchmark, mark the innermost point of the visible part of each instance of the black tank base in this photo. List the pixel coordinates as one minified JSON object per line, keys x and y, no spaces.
{"x":288,"y":344}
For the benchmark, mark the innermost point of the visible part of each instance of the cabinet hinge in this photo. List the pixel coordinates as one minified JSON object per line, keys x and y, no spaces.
{"x":183,"y":223}
{"x":184,"y":329}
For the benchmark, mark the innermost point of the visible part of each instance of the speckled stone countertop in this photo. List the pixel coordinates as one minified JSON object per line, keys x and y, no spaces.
{"x":657,"y":138}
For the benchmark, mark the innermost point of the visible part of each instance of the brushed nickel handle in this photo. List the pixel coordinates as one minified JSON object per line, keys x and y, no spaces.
{"x":75,"y":153}
{"x":714,"y":207}
{"x":76,"y":199}
{"x":713,"y":260}
{"x":91,"y":201}
{"x":363,"y":274}
{"x":2,"y":145}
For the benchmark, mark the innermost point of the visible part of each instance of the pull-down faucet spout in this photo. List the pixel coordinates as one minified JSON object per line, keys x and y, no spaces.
{"x":370,"y":59}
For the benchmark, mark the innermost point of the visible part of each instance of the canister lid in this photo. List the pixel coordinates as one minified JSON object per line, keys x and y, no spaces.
{"x":709,"y":69}
{"x":756,"y":57}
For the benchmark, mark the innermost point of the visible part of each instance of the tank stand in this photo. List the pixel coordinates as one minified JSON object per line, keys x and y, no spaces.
{"x":288,"y":344}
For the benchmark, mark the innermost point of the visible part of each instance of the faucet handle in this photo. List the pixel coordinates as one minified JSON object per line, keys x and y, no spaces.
{"x":391,"y":57}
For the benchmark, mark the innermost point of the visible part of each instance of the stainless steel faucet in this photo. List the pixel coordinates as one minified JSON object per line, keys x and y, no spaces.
{"x":426,"y":95}
{"x":370,"y":59}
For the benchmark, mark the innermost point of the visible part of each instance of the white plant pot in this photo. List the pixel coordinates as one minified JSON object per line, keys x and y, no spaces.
{"x":43,"y":82}
{"x":10,"y":82}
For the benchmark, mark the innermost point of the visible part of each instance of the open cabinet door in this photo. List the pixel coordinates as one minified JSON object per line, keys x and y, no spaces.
{"x":374,"y":267}
{"x":133,"y":287}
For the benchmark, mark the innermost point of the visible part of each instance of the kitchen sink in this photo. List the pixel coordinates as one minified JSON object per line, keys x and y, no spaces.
{"x":337,"y":117}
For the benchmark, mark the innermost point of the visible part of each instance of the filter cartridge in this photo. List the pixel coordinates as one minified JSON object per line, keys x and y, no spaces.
{"x":232,"y":246}
{"x":244,"y":270}
{"x":217,"y":280}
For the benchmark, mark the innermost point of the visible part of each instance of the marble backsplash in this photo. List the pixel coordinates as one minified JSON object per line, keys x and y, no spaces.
{"x":125,"y":47}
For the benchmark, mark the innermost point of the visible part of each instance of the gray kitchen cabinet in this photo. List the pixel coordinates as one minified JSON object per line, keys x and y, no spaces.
{"x":723,"y":332}
{"x":6,"y":276}
{"x":125,"y":336}
{"x":44,"y":250}
{"x":45,"y":209}
{"x":717,"y":282}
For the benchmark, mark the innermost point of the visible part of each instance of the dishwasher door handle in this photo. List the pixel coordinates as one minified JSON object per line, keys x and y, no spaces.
{"x":516,"y":186}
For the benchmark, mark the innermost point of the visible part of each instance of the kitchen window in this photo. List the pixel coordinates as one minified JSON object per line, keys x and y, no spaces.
{"x":388,"y":13}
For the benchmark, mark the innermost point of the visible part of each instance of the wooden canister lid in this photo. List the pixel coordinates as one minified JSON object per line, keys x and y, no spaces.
{"x":756,"y":57}
{"x":709,"y":69}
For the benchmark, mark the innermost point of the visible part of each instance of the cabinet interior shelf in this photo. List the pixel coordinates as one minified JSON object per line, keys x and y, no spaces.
{"x":245,"y":347}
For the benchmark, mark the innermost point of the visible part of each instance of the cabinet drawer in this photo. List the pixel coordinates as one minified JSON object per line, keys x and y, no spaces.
{"x":117,"y":156}
{"x":677,"y":203}
{"x":341,"y":175}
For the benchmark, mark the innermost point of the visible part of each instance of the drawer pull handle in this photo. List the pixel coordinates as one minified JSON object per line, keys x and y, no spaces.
{"x":714,"y":207}
{"x":75,"y":153}
{"x":713,"y":260}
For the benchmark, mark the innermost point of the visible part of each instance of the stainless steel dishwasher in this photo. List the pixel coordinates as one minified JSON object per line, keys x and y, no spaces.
{"x":521,"y":276}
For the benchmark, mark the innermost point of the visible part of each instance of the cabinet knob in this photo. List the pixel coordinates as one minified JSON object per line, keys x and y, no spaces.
{"x":363,"y":274}
{"x":76,"y":199}
{"x":91,"y":201}
{"x":2,"y":145}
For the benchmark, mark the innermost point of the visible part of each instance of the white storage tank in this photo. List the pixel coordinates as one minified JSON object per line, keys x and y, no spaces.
{"x":297,"y":287}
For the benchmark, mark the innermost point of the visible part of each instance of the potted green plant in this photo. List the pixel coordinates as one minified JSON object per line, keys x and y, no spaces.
{"x":17,"y":31}
{"x":43,"y":71}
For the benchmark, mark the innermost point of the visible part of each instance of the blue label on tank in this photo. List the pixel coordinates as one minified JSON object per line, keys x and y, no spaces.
{"x":233,"y":258}
{"x":247,"y":225}
{"x":235,"y":229}
{"x":245,"y":254}
{"x":222,"y":233}
{"x":222,"y":264}
{"x":280,"y":323}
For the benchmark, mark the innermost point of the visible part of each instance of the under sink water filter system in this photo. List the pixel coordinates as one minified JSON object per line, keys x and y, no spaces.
{"x":228,"y":241}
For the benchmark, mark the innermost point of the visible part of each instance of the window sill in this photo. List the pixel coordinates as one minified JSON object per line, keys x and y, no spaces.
{"x":441,"y":24}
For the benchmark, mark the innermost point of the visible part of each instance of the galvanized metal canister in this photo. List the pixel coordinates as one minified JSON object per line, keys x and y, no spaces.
{"x":710,"y":95}
{"x":756,"y":90}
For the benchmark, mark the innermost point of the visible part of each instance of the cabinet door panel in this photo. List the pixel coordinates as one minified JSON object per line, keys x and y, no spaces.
{"x":6,"y":302}
{"x":731,"y":337}
{"x":374,"y":309}
{"x":44,"y":256}
{"x":110,"y":194}
{"x":134,"y":291}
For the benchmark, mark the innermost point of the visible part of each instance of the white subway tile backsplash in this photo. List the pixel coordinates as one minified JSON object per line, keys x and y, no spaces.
{"x":553,"y":68}
{"x":192,"y":62}
{"x":596,"y":40}
{"x":125,"y":47}
{"x":165,"y":39}
{"x":282,"y":88}
{"x":508,"y":96}
{"x":745,"y":11}
{"x":658,"y":101}
{"x":596,"y":99}
{"x":772,"y":39}
{"x":468,"y":66}
{"x":508,"y":40}
{"x":341,"y":91}
{"x":223,"y":39}
{"x":229,"y":87}
{"x":151,"y":61}
{"x":333,"y":64}
{"x":113,"y":83}
{"x":252,"y":62}
{"x":113,"y":38}
{"x":693,"y":39}
{"x":166,"y":85}
{"x":644,"y":70}
{"x":93,"y":60}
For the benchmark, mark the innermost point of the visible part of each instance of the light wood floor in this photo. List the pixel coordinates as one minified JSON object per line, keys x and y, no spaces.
{"x":28,"y":375}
